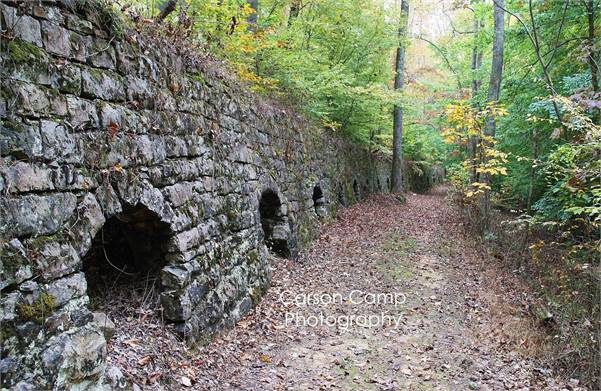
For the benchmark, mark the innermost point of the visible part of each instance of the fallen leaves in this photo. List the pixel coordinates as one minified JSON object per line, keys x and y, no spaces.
{"x":144,"y":360}
{"x":447,"y":338}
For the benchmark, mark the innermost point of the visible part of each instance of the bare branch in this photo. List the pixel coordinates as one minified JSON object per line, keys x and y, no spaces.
{"x":563,"y":18}
{"x":444,"y":57}
{"x":533,"y":36}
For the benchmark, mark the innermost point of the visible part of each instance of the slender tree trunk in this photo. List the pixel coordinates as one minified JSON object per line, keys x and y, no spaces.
{"x":285,"y":16}
{"x":540,"y":58}
{"x":494,"y":90}
{"x":476,"y":82}
{"x":592,"y":56}
{"x":294,"y":10}
{"x":167,"y":8}
{"x":476,"y":58}
{"x":251,"y":19}
{"x":397,"y":130}
{"x":533,"y":36}
{"x":496,"y":71}
{"x":534,"y":141}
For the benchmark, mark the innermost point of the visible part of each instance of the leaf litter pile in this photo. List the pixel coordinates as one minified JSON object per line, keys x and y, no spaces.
{"x":461,"y":320}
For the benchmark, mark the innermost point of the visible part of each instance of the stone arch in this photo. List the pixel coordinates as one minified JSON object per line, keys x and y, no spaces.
{"x":274,"y":222}
{"x":319,"y":201}
{"x":126,"y":257}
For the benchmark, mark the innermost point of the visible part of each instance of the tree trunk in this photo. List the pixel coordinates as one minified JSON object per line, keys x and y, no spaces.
{"x":494,"y":91}
{"x":294,"y":10}
{"x":496,"y":69}
{"x":476,"y":58}
{"x":592,"y":57}
{"x":396,"y":185}
{"x":476,"y":64}
{"x":534,"y":141}
{"x":251,"y":19}
{"x":167,"y":8}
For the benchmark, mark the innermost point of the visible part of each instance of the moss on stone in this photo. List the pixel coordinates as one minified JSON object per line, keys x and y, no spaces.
{"x":198,"y":77}
{"x":10,"y":263}
{"x":232,"y":214}
{"x":253,"y":256}
{"x":39,"y":309}
{"x":40,"y":241}
{"x":7,"y":331}
{"x":95,"y":73}
{"x":255,"y":294}
{"x":22,"y":52}
{"x":103,"y":13}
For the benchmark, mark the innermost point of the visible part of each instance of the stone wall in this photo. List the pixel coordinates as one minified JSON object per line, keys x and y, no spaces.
{"x":116,"y":131}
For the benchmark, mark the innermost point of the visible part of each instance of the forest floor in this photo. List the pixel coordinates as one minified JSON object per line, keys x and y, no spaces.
{"x":461,"y":324}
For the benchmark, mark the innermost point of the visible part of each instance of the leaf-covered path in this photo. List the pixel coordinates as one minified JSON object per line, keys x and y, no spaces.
{"x":458,"y":331}
{"x":459,"y":328}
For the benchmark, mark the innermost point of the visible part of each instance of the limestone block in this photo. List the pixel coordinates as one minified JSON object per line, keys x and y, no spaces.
{"x":56,"y":258}
{"x":179,"y":193}
{"x":49,"y":13}
{"x":141,"y":91}
{"x":108,"y":199}
{"x":176,"y":306}
{"x":58,"y":144}
{"x":176,"y":276}
{"x":67,"y":288}
{"x":105,"y":324}
{"x":82,"y":112}
{"x":30,"y":99}
{"x":35,"y":215}
{"x":102,"y":54}
{"x":87,"y":224}
{"x":75,"y":356}
{"x":56,"y":39}
{"x":22,"y":176}
{"x":22,"y":26}
{"x":102,"y":84}
{"x":14,"y":264}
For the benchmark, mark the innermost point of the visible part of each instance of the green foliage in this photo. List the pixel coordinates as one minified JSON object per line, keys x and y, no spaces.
{"x":547,"y":157}
{"x":329,"y":58}
{"x":333,"y":58}
{"x":574,"y":190}
{"x":552,"y":137}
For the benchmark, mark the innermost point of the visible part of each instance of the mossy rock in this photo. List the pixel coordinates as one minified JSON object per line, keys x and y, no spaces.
{"x":39,"y":309}
{"x":198,"y":77}
{"x":25,"y":52}
{"x":7,"y":331}
{"x":253,"y":257}
{"x":103,"y":15}
{"x":10,"y":262}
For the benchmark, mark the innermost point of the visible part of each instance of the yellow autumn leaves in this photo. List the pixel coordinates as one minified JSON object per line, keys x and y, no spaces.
{"x":467,"y":126}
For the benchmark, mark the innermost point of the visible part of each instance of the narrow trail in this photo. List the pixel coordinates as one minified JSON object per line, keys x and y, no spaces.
{"x":458,"y":328}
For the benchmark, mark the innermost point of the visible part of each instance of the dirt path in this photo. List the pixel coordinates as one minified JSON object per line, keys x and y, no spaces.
{"x":456,"y":331}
